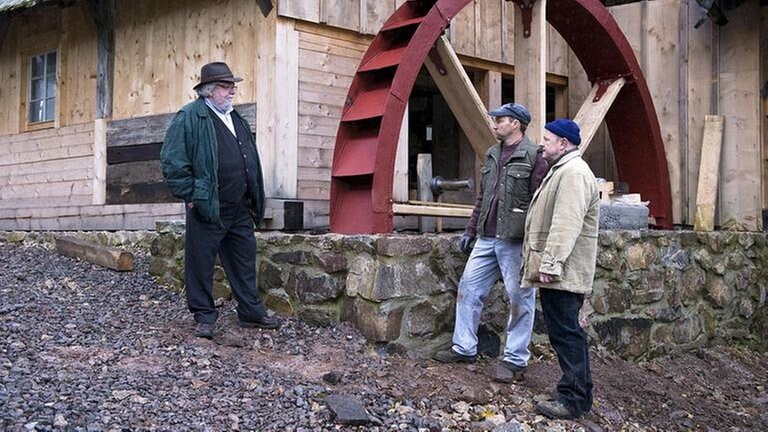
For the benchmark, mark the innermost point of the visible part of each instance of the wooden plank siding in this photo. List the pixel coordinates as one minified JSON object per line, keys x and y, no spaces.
{"x":328,"y":60}
{"x":47,"y":167}
{"x":739,"y":102}
{"x":185,"y":35}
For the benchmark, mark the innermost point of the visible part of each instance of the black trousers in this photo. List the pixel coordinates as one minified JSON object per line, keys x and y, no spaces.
{"x":561,"y":314}
{"x":236,"y":247}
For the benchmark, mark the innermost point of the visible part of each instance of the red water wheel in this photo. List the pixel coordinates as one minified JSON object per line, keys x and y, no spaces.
{"x":366,"y":143}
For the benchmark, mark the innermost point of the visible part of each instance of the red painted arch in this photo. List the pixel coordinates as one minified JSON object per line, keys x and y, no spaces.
{"x":366,"y":143}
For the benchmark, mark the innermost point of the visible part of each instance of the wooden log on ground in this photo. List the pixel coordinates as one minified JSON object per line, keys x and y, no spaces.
{"x":104,"y":256}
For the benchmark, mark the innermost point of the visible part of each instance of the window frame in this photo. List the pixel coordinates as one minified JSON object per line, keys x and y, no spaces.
{"x":48,"y":119}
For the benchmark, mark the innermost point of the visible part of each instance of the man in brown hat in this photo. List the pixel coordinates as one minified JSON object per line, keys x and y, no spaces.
{"x":210,"y":160}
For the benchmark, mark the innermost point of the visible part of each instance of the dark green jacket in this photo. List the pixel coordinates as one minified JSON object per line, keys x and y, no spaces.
{"x":190,"y":161}
{"x":514,"y":189}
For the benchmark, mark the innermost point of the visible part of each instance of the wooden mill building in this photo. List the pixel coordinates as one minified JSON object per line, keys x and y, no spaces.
{"x":87,"y":88}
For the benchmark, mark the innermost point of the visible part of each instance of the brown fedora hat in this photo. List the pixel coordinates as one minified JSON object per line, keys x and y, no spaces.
{"x":216,"y":72}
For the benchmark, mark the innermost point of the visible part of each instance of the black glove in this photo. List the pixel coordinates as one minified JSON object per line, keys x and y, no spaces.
{"x":465,"y":243}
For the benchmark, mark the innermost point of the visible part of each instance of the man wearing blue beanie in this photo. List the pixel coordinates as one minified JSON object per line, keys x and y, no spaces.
{"x":559,"y":255}
{"x":512,"y":171}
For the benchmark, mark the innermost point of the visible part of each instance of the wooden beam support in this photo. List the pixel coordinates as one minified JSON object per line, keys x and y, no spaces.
{"x":104,"y":256}
{"x":424,"y":175}
{"x":592,"y":112}
{"x":400,"y":183}
{"x":531,"y":65}
{"x":435,"y":210}
{"x":461,"y":96}
{"x":277,"y":116}
{"x":99,"y":162}
{"x":103,"y":12}
{"x":706,"y":196}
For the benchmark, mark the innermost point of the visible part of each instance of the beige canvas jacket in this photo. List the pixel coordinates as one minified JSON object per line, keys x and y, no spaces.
{"x":561,"y":228}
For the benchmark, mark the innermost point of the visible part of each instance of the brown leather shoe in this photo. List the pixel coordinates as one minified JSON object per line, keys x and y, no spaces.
{"x":265,"y":322}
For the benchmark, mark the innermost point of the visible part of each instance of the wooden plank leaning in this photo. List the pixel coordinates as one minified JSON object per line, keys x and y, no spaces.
{"x":105,"y":256}
{"x":706,"y":194}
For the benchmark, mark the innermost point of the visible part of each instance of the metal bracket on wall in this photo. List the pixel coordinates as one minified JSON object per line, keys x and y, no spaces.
{"x":603,"y":84}
{"x":526,"y":7}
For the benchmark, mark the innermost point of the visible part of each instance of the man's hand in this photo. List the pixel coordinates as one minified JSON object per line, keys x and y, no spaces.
{"x":547,"y":278}
{"x":190,"y":205}
{"x":465,"y":243}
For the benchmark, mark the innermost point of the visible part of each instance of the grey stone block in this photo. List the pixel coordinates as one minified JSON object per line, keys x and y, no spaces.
{"x":623,"y":217}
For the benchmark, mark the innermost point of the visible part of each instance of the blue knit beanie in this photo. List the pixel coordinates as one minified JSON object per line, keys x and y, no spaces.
{"x":565,"y":128}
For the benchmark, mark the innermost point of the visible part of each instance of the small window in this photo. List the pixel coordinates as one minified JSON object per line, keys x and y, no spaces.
{"x":42,"y":87}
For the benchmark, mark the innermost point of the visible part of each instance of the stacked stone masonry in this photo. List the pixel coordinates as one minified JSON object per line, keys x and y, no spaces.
{"x":655,"y":292}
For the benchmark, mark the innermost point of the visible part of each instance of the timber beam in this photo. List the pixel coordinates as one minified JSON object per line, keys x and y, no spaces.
{"x":595,"y":107}
{"x":455,"y":86}
{"x":105,"y":256}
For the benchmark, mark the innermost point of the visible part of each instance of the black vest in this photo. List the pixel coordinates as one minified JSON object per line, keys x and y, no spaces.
{"x":236,"y":160}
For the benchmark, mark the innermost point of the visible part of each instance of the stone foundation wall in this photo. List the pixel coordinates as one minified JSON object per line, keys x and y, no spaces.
{"x":655,"y":292}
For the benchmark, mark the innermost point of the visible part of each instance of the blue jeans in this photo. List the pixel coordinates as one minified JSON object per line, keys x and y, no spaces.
{"x":490,"y":259}
{"x":561,"y":314}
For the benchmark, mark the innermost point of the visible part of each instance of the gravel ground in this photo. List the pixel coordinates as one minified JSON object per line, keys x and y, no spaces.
{"x":85,"y":348}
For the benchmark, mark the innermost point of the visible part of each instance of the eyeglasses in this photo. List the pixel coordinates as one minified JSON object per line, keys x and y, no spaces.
{"x":227,"y":86}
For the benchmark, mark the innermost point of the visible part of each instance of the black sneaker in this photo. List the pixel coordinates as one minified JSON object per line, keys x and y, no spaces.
{"x":555,"y":410}
{"x":451,"y":356}
{"x":265,"y":322}
{"x":204,"y":330}
{"x":506,"y":372}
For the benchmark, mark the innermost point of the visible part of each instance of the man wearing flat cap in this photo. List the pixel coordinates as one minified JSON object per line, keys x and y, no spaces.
{"x":559,"y":253}
{"x":512,"y":170}
{"x":210,"y":160}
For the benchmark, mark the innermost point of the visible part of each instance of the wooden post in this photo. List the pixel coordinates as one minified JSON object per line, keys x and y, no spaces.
{"x":100,"y":161}
{"x":277,"y":100}
{"x":424,"y":173}
{"x":739,"y":101}
{"x":706,"y":196}
{"x":400,"y":186}
{"x":5,"y":22}
{"x":530,"y":67}
{"x":103,"y":12}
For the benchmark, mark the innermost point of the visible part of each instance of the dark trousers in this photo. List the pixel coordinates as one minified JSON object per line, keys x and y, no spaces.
{"x":236,"y":247}
{"x":561,"y":314}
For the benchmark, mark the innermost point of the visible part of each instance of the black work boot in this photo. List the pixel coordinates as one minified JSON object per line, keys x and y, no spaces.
{"x":204,"y":330}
